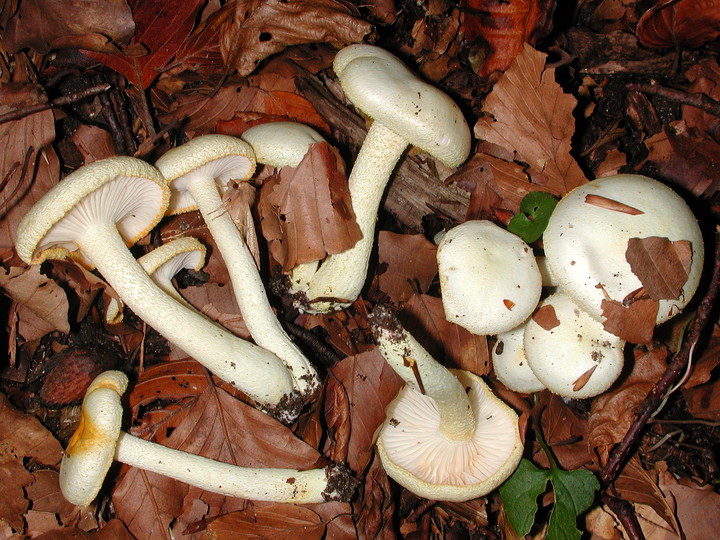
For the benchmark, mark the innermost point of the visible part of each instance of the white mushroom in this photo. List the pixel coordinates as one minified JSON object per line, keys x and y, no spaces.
{"x":405,"y":111}
{"x":489,"y":280}
{"x":587,"y":239}
{"x":446,"y":436}
{"x":98,"y":440}
{"x":510,"y":362}
{"x":92,"y":216}
{"x":569,"y":351}
{"x":198,"y":172}
{"x":161,"y":264}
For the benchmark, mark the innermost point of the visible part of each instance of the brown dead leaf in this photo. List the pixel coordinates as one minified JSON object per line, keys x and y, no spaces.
{"x":661,"y":266}
{"x":693,"y":509}
{"x":423,"y":316}
{"x":704,"y":401}
{"x":274,"y":522}
{"x":36,"y":292}
{"x":44,"y":492}
{"x":705,"y":78}
{"x":504,"y":27}
{"x":634,"y":323}
{"x":264,"y":27}
{"x":546,"y":317}
{"x":636,"y":485}
{"x":54,"y":24}
{"x":366,"y":385}
{"x":409,"y":262}
{"x":565,"y":432}
{"x":306,"y":212}
{"x":531,"y":116}
{"x":114,"y":529}
{"x":612,"y":413}
{"x":94,"y":143}
{"x":679,"y":23}
{"x":375,"y":507}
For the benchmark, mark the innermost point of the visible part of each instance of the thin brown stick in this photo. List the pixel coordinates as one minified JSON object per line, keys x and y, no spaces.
{"x":63,"y":100}
{"x":673,"y":372}
{"x":624,"y":512}
{"x":693,"y":99}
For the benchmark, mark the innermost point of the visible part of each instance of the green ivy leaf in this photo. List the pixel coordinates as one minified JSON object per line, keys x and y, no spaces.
{"x":535,"y":210}
{"x":519,"y":494}
{"x":574,"y":493}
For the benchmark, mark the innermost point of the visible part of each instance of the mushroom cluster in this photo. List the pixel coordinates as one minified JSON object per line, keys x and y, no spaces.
{"x":613,"y":245}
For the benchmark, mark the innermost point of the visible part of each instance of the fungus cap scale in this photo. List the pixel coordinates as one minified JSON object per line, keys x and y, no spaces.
{"x":585,"y":243}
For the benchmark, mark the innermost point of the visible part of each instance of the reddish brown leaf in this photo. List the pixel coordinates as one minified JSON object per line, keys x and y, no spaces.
{"x":565,"y":432}
{"x":305,"y":212}
{"x":424,"y":318}
{"x":161,"y":30}
{"x":680,"y":23}
{"x":704,"y":401}
{"x":503,"y":27}
{"x":612,"y":413}
{"x":661,"y":266}
{"x":274,"y":522}
{"x":609,"y":204}
{"x":52,"y":24}
{"x":531,"y":116}
{"x":583,"y":379}
{"x":409,"y":264}
{"x":546,"y":317}
{"x":264,"y":27}
{"x":634,"y":323}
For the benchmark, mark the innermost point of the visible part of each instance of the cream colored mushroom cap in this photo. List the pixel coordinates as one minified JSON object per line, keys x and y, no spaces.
{"x":91,"y":449}
{"x":418,"y":457}
{"x":489,"y":279}
{"x":281,"y":144}
{"x":577,"y":358}
{"x":585,"y":242}
{"x":124,"y":190}
{"x":383,"y":88}
{"x":186,"y":252}
{"x":511,"y":365}
{"x":221,"y":157}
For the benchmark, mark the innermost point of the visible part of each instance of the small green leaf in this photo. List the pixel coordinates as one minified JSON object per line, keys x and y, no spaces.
{"x":519,"y":494}
{"x":574,"y":493}
{"x":535,"y":210}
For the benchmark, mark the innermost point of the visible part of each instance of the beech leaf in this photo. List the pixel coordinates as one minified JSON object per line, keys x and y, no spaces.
{"x":680,"y":23}
{"x":410,"y":263}
{"x":531,"y":116}
{"x":634,"y":323}
{"x":661,"y":266}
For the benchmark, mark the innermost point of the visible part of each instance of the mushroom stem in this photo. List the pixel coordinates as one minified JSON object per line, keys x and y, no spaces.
{"x":256,"y":372}
{"x":341,"y":276}
{"x":401,"y":350}
{"x":248,"y":286}
{"x":257,"y":484}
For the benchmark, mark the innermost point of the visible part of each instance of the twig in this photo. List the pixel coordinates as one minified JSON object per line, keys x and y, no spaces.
{"x":624,"y":512}
{"x":63,"y":100}
{"x":673,"y":372}
{"x":693,"y":99}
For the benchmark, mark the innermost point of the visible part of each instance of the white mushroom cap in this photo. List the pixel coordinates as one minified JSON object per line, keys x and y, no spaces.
{"x":417,"y":456}
{"x":281,"y":144}
{"x":510,"y":363}
{"x":383,"y":88}
{"x":489,"y":279}
{"x":221,"y":157}
{"x":123,"y":190}
{"x":569,"y":351}
{"x":91,"y":449}
{"x":585,"y":241}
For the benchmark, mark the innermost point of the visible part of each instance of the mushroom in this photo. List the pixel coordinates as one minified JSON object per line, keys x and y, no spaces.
{"x":92,"y":216}
{"x":99,"y":440}
{"x":446,"y":435}
{"x":405,"y":111}
{"x":161,"y":264}
{"x":489,"y":279}
{"x":569,"y":351}
{"x":587,"y":240}
{"x":510,"y":363}
{"x":198,"y":172}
